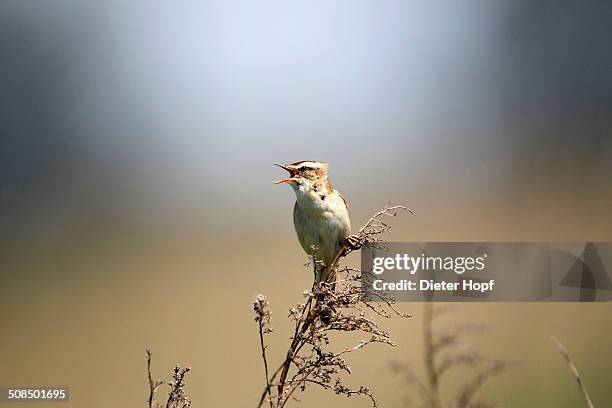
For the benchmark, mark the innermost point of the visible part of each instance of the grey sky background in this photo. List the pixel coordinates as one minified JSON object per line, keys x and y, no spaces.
{"x":150,"y":109}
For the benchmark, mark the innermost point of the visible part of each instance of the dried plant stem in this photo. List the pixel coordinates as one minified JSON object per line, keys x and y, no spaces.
{"x":176,"y":397}
{"x":574,"y":371}
{"x":375,"y":220}
{"x":446,"y":348}
{"x":265,"y":360}
{"x":326,"y":309}
{"x":296,"y":344}
{"x":430,"y":354}
{"x":152,"y":385}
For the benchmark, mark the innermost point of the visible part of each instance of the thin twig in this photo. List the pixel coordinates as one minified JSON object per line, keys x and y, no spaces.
{"x":265,"y":360}
{"x":293,"y":348}
{"x":432,"y":373}
{"x":176,"y":395}
{"x":468,"y":391}
{"x":388,"y":211}
{"x":574,"y":370}
{"x":152,"y":386}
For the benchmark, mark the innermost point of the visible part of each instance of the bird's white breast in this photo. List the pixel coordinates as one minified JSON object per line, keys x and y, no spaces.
{"x":322,"y":221}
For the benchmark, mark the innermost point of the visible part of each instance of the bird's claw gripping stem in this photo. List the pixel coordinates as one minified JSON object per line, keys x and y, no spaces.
{"x":353,"y":242}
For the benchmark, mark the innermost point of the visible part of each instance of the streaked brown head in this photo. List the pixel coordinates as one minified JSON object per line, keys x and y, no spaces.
{"x":313,"y":171}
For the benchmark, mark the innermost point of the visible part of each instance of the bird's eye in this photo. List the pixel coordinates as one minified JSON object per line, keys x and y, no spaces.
{"x":305,"y":168}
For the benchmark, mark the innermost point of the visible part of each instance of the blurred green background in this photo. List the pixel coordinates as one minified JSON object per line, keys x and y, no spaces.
{"x":136,"y":199}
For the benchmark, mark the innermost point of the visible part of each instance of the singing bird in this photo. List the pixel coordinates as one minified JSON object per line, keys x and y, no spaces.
{"x":320,"y":214}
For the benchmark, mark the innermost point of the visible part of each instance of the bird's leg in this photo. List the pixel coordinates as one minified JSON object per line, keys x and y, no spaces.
{"x":314,"y":265}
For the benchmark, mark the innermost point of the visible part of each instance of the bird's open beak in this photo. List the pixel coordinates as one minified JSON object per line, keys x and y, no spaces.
{"x":291,"y":174}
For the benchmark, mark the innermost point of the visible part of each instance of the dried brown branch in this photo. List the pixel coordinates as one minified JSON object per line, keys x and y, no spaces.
{"x":574,"y":371}
{"x":430,"y":355}
{"x":442,"y":353}
{"x":466,"y":394}
{"x":263,"y":319}
{"x":176,"y":396}
{"x":327,"y":309}
{"x":153,"y":385}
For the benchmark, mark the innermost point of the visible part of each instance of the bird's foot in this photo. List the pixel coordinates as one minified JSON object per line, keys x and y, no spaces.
{"x":353,"y":242}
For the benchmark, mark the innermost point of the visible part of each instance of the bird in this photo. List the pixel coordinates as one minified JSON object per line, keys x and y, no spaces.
{"x":320,"y":215}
